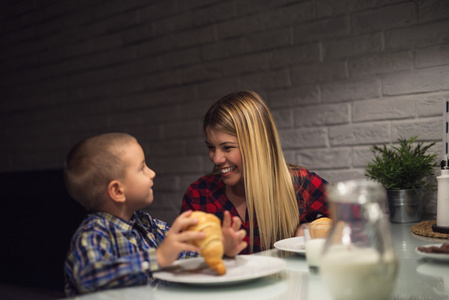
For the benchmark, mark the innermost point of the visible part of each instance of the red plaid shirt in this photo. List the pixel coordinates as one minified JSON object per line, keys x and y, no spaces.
{"x":208,"y":194}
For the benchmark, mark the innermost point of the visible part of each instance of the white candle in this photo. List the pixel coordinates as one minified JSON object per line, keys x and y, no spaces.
{"x":443,"y":199}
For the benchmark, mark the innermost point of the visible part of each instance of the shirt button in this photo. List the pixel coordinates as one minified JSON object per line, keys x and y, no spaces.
{"x":145,"y":266}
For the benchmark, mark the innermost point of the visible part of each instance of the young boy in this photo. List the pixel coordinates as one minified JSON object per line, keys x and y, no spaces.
{"x":118,"y":245}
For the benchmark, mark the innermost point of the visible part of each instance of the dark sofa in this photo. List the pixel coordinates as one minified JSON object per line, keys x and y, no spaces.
{"x":38,"y":218}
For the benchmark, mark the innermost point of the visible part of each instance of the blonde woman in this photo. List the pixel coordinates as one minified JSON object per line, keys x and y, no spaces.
{"x":251,"y":178}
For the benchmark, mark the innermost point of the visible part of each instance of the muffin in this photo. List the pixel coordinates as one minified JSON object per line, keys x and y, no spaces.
{"x":319,"y":228}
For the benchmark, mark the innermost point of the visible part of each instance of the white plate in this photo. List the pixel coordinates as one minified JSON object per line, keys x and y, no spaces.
{"x":433,"y":269}
{"x":294,"y":244}
{"x":241,"y":268}
{"x":436,"y":256}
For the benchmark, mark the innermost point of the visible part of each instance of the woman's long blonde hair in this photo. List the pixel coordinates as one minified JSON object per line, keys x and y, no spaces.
{"x":270,"y":197}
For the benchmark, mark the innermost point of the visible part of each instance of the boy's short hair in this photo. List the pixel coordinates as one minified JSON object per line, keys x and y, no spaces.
{"x":92,"y":164}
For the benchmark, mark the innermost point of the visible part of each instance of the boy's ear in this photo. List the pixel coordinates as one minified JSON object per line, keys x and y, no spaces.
{"x":116,"y":191}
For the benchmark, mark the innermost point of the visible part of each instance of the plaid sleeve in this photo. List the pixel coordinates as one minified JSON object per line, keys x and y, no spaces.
{"x":93,"y":265}
{"x":161,"y":231}
{"x":311,"y":195}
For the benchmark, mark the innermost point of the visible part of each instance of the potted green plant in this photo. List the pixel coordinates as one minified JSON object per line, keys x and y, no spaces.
{"x":404,"y":170}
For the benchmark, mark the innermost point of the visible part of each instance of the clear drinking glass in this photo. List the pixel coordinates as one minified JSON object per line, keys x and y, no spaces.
{"x":314,"y":248}
{"x":359,"y":261}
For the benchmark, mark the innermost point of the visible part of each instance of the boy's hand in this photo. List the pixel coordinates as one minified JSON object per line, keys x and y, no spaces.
{"x":177,"y":241}
{"x":232,"y":237}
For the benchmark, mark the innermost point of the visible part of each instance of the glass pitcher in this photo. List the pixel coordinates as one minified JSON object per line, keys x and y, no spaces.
{"x":359,"y":261}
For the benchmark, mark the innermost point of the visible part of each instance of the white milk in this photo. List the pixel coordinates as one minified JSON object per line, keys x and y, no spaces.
{"x":314,"y":249}
{"x":359,"y":273}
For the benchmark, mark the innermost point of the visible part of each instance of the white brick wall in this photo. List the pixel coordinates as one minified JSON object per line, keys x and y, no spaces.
{"x":338,"y":76}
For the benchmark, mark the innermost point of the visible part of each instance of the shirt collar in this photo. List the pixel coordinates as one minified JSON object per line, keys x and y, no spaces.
{"x":118,"y":222}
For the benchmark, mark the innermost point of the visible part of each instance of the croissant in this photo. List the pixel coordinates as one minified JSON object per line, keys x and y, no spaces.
{"x":212,"y":244}
{"x":320,"y":228}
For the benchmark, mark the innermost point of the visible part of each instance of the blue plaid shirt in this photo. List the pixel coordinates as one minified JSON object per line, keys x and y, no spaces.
{"x":108,"y":252}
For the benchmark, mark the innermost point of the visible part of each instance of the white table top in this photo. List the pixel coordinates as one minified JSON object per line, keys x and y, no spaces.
{"x":418,"y":278}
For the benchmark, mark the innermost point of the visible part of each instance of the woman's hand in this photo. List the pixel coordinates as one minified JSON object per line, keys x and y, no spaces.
{"x":232,"y":237}
{"x":177,"y":240}
{"x":300,"y":230}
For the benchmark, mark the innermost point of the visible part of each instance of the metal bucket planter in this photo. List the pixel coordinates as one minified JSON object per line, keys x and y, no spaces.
{"x":405,"y":205}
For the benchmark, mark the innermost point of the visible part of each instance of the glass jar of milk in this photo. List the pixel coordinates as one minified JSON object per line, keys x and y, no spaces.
{"x":358,"y":260}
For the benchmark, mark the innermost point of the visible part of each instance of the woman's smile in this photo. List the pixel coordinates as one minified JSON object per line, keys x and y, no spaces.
{"x":224,"y":171}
